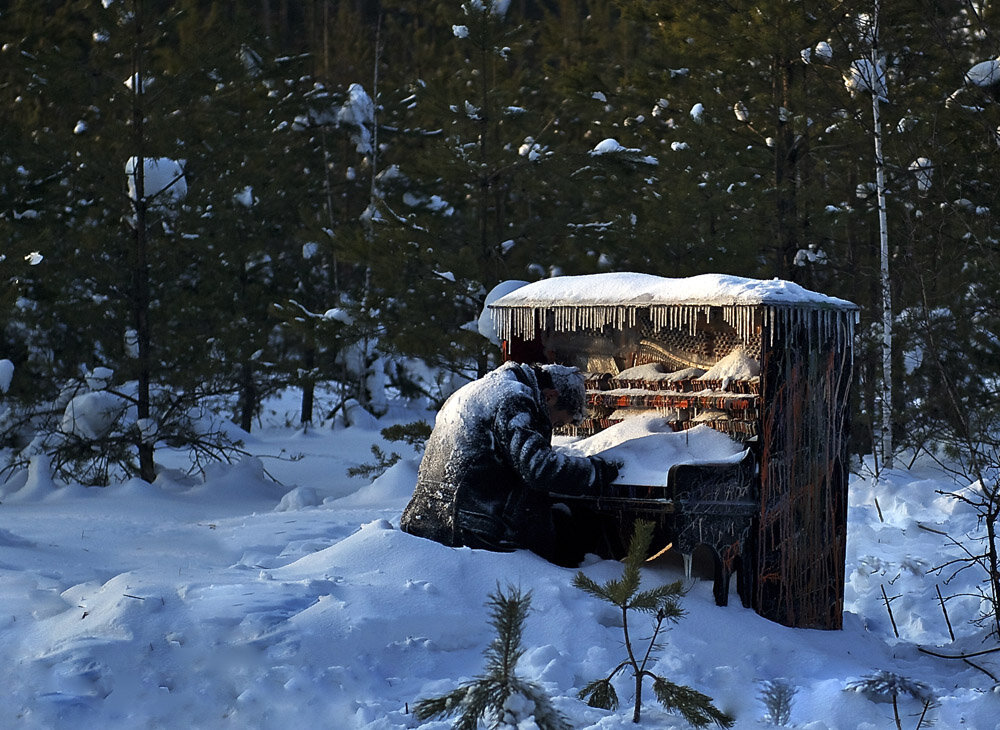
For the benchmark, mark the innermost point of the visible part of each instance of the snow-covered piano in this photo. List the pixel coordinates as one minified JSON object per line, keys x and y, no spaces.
{"x":766,"y":363}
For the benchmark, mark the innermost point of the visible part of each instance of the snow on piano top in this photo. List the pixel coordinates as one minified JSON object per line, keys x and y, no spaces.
{"x":625,"y":289}
{"x":592,"y":301}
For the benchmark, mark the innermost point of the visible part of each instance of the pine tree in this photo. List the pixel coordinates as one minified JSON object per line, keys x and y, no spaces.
{"x":939,"y":153}
{"x":613,"y":203}
{"x":888,"y":686}
{"x":777,"y":694}
{"x":740,"y":117}
{"x":663,"y":604}
{"x":132,"y":280}
{"x":499,"y":696}
{"x":453,"y":221}
{"x":44,"y":50}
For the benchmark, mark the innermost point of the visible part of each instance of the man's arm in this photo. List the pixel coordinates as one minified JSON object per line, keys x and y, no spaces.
{"x":542,"y":467}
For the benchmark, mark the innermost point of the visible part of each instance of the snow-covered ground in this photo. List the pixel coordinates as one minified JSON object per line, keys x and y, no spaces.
{"x":237,"y":603}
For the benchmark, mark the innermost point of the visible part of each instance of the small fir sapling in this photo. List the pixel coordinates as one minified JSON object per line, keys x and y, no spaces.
{"x":498,"y":697}
{"x":887,"y":686}
{"x":663,"y":603}
{"x":776,"y":694}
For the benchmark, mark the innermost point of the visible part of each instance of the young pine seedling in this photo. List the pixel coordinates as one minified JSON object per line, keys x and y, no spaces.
{"x":498,"y":697}
{"x":663,"y":604}
{"x":777,"y":694}
{"x":887,"y":686}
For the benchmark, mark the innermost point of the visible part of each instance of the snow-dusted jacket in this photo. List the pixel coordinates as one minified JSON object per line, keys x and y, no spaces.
{"x":489,"y":467}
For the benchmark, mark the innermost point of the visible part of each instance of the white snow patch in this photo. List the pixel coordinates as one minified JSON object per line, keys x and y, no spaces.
{"x":161,"y":177}
{"x":923,"y":170}
{"x":865,"y":76}
{"x":985,"y":73}
{"x":6,"y":374}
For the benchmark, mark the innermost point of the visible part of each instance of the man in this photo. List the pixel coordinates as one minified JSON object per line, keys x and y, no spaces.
{"x":489,"y":470}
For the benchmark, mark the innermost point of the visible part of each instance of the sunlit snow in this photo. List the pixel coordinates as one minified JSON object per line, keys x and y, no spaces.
{"x":231,"y":601}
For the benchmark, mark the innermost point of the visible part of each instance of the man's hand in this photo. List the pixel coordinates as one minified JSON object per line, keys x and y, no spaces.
{"x":605,"y":472}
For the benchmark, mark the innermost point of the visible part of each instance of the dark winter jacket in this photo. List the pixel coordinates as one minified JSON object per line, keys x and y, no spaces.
{"x":489,"y":467}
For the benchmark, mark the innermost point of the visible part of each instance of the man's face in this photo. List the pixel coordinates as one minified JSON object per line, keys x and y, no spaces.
{"x":559,"y":418}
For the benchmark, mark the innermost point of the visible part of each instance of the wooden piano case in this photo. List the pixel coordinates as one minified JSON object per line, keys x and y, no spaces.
{"x":778,"y":518}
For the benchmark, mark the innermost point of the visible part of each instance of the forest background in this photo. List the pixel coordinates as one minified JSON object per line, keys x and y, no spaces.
{"x":203,"y":203}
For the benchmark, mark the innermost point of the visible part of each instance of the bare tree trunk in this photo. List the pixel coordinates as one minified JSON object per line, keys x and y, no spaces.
{"x":249,"y":397}
{"x":308,"y":385}
{"x":875,"y":84}
{"x":140,"y":294}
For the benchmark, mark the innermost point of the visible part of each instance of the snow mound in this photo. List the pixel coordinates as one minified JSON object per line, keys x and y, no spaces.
{"x":394,"y":487}
{"x":737,"y":365}
{"x":34,"y":484}
{"x":299,"y":498}
{"x":9,"y":539}
{"x":245,"y":480}
{"x":637,"y":289}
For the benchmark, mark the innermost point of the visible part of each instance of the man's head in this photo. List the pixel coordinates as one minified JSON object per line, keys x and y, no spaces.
{"x":564,"y":392}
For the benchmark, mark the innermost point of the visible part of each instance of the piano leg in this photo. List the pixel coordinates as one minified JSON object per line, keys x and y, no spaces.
{"x":720,"y":587}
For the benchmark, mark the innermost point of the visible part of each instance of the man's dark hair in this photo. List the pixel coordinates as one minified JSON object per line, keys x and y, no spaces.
{"x":568,"y":383}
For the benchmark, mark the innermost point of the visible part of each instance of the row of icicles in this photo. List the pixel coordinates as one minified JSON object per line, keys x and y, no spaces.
{"x":820,"y":324}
